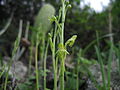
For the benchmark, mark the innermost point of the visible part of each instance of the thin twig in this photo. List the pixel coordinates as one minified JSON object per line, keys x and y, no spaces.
{"x":7,"y":25}
{"x":20,"y":53}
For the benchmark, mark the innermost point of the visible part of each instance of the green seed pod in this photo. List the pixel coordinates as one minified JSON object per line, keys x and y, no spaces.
{"x":42,"y":19}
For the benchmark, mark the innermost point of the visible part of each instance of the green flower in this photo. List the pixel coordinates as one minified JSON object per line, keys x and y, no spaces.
{"x":61,"y":53}
{"x":71,"y":41}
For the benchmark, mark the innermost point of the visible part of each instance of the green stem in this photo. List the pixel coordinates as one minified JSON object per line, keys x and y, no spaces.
{"x":45,"y":66}
{"x":63,"y":20}
{"x":77,"y":85}
{"x":53,"y":56}
{"x":62,"y":75}
{"x":109,"y":65}
{"x":36,"y":66}
{"x":62,"y":41}
{"x":101,"y":67}
{"x":54,"y":68}
{"x":55,"y":61}
{"x":100,"y":61}
{"x":42,"y":47}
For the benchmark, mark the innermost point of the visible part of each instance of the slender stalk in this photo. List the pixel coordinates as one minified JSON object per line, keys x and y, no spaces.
{"x":111,"y":54}
{"x":110,"y":22}
{"x":20,"y":53}
{"x":101,"y":67}
{"x":100,"y":61}
{"x":53,"y":58}
{"x":7,"y":25}
{"x":52,"y":44}
{"x":109,"y":65}
{"x":36,"y":65}
{"x":42,"y":48}
{"x":55,"y":73}
{"x":63,"y":21}
{"x":45,"y":57}
{"x":77,"y":81}
{"x":62,"y":75}
{"x":55,"y":61}
{"x":62,"y":41}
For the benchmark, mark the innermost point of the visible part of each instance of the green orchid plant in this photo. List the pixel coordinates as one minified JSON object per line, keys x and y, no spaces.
{"x":59,"y":49}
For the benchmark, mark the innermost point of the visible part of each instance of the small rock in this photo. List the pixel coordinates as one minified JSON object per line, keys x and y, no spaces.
{"x":18,"y":69}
